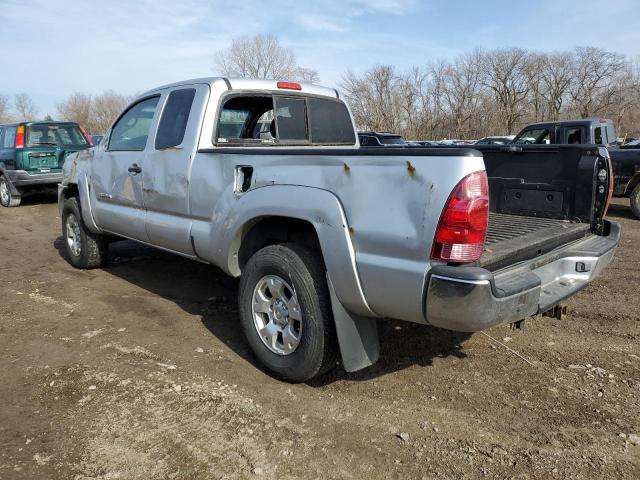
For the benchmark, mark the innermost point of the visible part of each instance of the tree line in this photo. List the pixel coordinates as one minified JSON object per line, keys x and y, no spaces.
{"x":95,"y":113}
{"x":479,"y":93}
{"x":496,"y":92}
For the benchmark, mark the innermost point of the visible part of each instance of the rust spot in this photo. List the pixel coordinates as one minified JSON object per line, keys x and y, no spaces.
{"x":351,"y":230}
{"x":410,"y":168}
{"x":347,"y":168}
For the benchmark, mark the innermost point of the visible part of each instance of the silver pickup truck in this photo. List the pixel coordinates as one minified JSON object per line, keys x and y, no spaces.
{"x":267,"y":181}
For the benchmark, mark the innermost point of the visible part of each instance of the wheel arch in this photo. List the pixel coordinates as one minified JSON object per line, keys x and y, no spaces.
{"x":305,"y":214}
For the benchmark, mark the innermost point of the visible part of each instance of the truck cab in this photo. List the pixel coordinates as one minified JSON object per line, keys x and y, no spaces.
{"x":591,"y":131}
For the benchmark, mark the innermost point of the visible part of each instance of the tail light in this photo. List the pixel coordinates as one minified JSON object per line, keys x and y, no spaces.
{"x":463,"y":224}
{"x":610,"y":194}
{"x":20,"y":136}
{"x":86,"y":137}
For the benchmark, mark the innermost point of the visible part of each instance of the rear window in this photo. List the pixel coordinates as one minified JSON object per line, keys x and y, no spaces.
{"x":285,"y":120}
{"x":54,"y":135}
{"x":330,"y":122}
{"x":175,"y":115}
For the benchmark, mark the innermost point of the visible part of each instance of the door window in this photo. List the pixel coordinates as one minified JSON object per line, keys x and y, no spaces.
{"x":131,"y":131}
{"x":534,"y":136}
{"x":175,"y":115}
{"x":575,"y":135}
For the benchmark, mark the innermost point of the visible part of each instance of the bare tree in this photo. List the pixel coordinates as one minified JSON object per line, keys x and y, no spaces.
{"x":24,"y":107}
{"x":594,"y":74}
{"x":5,"y":116}
{"x":261,"y":56}
{"x":94,"y":113}
{"x":462,"y":82}
{"x":504,"y":74}
{"x":106,"y":108}
{"x":77,"y":108}
{"x":375,"y":98}
{"x":556,"y":77}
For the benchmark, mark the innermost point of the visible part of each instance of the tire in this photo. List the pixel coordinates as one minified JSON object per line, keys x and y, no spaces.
{"x":8,"y":199}
{"x":634,"y":200}
{"x":90,"y":251}
{"x":302,"y":272}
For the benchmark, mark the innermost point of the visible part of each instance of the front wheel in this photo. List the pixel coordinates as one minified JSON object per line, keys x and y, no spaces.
{"x":84,"y":248}
{"x":8,"y":199}
{"x":285,"y":312}
{"x":634,"y":200}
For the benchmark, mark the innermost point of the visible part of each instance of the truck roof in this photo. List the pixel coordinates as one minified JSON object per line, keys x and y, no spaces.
{"x":252,"y":84}
{"x":577,"y":120}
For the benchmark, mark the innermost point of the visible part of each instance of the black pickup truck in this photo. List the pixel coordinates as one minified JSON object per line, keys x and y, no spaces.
{"x":593,"y":131}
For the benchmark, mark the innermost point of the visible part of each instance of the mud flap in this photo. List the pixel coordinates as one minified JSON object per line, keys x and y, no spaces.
{"x":357,"y":336}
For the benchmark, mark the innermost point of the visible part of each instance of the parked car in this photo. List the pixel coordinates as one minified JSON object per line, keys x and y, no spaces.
{"x":377,"y":139}
{"x":593,"y":131}
{"x":95,"y":139}
{"x":32,"y":154}
{"x":327,"y":236}
{"x":495,"y":140}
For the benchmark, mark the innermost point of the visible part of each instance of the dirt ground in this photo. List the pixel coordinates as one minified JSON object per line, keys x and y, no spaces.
{"x":140,"y":371}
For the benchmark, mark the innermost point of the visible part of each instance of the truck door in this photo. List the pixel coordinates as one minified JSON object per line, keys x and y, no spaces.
{"x":166,"y":174}
{"x":116,"y":172}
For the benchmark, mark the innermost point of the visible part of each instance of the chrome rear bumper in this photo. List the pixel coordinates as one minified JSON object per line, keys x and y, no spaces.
{"x":470,"y":299}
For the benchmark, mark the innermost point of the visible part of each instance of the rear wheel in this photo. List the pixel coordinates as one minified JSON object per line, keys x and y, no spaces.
{"x":634,"y":199}
{"x":8,"y":199}
{"x":85,"y":249}
{"x":285,"y":312}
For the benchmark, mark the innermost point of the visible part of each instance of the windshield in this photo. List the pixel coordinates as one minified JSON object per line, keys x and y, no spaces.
{"x":54,"y":134}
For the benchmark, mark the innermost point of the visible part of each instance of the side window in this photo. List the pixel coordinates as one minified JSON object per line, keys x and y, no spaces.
{"x":575,"y":135}
{"x":173,"y":122}
{"x":597,"y":134}
{"x":291,"y":119}
{"x":131,"y":131}
{"x":540,"y":136}
{"x":330,"y":123}
{"x":9,"y":139}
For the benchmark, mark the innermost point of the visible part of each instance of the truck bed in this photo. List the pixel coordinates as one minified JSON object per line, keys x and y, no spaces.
{"x":512,"y":238}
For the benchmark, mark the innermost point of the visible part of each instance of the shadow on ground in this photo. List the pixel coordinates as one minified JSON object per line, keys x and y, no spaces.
{"x":620,"y":211}
{"x":39,"y":198}
{"x":206,"y":291}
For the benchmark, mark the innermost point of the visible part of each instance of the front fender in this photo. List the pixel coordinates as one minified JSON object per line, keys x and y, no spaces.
{"x":319,"y":207}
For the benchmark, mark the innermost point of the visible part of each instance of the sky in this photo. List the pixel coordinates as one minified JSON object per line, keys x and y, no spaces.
{"x":51,"y":49}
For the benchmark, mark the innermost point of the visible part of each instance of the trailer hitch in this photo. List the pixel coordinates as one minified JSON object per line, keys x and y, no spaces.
{"x":556,"y":312}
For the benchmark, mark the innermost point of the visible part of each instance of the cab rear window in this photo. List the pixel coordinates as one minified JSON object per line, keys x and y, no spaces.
{"x":262,"y":120}
{"x":54,"y":135}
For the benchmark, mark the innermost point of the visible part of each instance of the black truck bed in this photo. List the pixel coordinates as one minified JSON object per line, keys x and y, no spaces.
{"x":512,"y":238}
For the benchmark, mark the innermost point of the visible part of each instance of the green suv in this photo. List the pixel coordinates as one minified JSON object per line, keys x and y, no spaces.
{"x":32,"y":154}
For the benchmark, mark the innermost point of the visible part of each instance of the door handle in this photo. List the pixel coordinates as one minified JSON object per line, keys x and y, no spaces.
{"x":135,"y":169}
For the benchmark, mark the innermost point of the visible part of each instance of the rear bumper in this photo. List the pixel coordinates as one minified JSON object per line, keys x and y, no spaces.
{"x":22,"y":178}
{"x":470,"y":299}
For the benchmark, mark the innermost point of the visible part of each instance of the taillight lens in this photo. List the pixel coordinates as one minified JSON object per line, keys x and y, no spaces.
{"x":20,"y":136}
{"x":463,"y":224}
{"x":606,"y":205}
